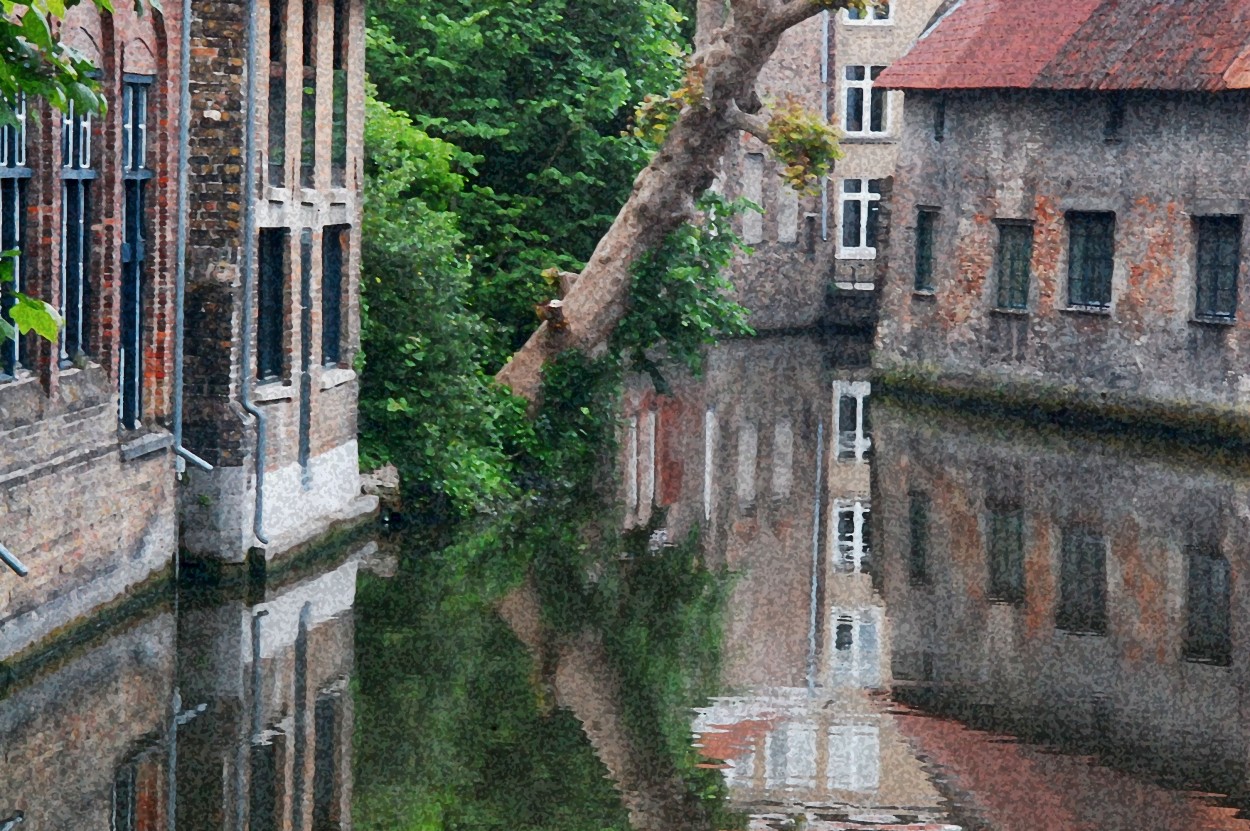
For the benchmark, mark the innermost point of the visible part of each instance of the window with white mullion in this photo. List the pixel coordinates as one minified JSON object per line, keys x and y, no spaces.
{"x":850,"y":415}
{"x":76,"y":175}
{"x":13,"y":177}
{"x":859,"y":207}
{"x":135,"y":178}
{"x":864,"y":105}
{"x":851,"y":529}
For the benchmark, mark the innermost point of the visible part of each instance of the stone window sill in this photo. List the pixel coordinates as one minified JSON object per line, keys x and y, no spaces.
{"x":924,"y":294}
{"x":1096,"y":311}
{"x":868,"y":139}
{"x":145,"y":444}
{"x":340,"y":195}
{"x":998,"y":310}
{"x":273,"y":391}
{"x":274,"y":194}
{"x":1214,"y":321}
{"x":333,"y":377}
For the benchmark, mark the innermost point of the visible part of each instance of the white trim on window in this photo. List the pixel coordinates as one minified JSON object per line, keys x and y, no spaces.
{"x":871,"y":102}
{"x":853,"y":440}
{"x":852,"y":243}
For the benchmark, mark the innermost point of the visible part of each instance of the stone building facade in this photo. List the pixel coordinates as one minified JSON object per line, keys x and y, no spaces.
{"x":92,"y":450}
{"x":814,"y":258}
{"x":1069,"y":210}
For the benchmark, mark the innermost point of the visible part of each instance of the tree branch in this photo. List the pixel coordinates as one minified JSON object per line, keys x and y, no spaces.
{"x":794,"y":12}
{"x":756,"y":125}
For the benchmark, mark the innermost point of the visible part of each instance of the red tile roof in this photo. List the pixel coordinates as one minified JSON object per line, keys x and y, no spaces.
{"x":1192,"y":45}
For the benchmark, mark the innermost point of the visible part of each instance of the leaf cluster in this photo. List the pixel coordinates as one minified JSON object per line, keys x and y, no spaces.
{"x":804,"y":143}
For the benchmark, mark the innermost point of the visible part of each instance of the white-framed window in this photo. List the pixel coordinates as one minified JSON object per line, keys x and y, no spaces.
{"x":850,"y":425}
{"x":852,"y":548}
{"x":859,"y":209}
{"x":881,"y":12}
{"x":865,"y":106}
{"x":855,"y":658}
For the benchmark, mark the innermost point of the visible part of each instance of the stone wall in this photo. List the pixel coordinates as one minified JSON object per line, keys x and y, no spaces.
{"x":1034,"y":156}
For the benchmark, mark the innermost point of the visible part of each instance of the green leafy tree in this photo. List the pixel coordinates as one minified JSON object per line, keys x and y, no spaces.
{"x":540,"y":92}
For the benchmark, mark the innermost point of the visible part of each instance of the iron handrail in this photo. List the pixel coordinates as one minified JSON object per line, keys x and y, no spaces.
{"x":12,"y":562}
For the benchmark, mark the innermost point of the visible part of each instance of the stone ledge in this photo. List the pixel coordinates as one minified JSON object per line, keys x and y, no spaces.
{"x":273,"y":391}
{"x":336,"y":377}
{"x":146,"y":445}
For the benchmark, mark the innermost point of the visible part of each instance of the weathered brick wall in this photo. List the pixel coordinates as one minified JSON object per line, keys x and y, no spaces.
{"x":950,"y":634}
{"x":67,"y":735}
{"x":1033,"y":156}
{"x":89,"y":511}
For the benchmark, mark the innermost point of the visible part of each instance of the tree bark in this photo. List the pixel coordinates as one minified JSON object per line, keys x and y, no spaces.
{"x":664,"y":193}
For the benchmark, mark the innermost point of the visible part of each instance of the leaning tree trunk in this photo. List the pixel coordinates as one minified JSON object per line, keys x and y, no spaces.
{"x":728,"y":64}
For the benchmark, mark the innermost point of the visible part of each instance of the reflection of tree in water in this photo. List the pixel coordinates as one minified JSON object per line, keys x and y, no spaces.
{"x":450,"y":732}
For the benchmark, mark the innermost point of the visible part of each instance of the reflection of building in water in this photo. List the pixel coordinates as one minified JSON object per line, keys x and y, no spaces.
{"x":1070,"y":590}
{"x":777,"y":472}
{"x":248,"y":701}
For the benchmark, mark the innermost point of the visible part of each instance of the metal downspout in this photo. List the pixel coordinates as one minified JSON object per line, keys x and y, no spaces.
{"x":12,"y":562}
{"x":824,"y":112}
{"x":249,"y":277}
{"x":180,"y":280}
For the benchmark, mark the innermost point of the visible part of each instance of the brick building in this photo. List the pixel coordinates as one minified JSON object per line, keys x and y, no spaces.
{"x":1069,"y":207}
{"x":273,"y":314}
{"x":86,"y":471}
{"x":101,"y":210}
{"x":815,"y":255}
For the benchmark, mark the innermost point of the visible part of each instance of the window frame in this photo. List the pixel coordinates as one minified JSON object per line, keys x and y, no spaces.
{"x":851,"y":554}
{"x":869,"y":225}
{"x":136,"y":132}
{"x":1070,"y":617}
{"x":1196,"y":648}
{"x":919,"y":523}
{"x":923,"y":253}
{"x":1004,"y":295}
{"x":1212,"y":315}
{"x":870,"y":16}
{"x":873,"y":101}
{"x":1000,"y":587}
{"x":1094,"y":285}
{"x":77,"y":173}
{"x":852,"y":445}
{"x":15,"y":174}
{"x":272,"y":361}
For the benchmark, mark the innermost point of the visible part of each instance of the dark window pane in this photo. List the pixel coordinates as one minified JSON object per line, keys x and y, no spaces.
{"x":271,"y":308}
{"x":876,"y":112}
{"x":1005,"y":541}
{"x":1091,"y":257}
{"x":918,"y":559}
{"x":939,"y":119}
{"x":325,"y":765}
{"x":855,"y":73}
{"x":1219,"y":260}
{"x":925,"y":223}
{"x":1015,"y":250}
{"x":1208,"y":624}
{"x":1082,"y":582}
{"x":848,"y":426}
{"x":332,"y":294}
{"x":851,"y":221}
{"x":854,"y":110}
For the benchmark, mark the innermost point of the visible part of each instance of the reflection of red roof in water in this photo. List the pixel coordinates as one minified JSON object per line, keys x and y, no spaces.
{"x":1018,"y":787}
{"x":729,"y":741}
{"x":1082,"y":44}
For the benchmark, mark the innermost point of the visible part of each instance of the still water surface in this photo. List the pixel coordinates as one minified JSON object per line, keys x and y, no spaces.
{"x":925,"y":620}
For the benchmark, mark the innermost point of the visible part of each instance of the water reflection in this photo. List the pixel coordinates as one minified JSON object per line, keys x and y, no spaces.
{"x":211,"y":712}
{"x":804,"y":735}
{"x":1077,"y":592}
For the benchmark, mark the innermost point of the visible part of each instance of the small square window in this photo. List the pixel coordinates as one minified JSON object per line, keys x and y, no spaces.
{"x":1218,"y":242}
{"x":1015,"y":252}
{"x":1091,"y":257}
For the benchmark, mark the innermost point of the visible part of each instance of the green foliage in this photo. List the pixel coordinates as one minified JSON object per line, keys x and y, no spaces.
{"x":426,"y":403}
{"x":804,"y":142}
{"x":538,"y":93}
{"x":680,"y":295}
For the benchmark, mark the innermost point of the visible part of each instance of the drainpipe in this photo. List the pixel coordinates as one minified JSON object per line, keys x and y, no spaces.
{"x":824,"y":112}
{"x":12,"y":822}
{"x":12,"y":562}
{"x":249,"y":276}
{"x":180,"y":279}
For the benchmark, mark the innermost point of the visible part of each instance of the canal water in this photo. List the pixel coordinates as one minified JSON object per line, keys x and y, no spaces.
{"x":839,"y":611}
